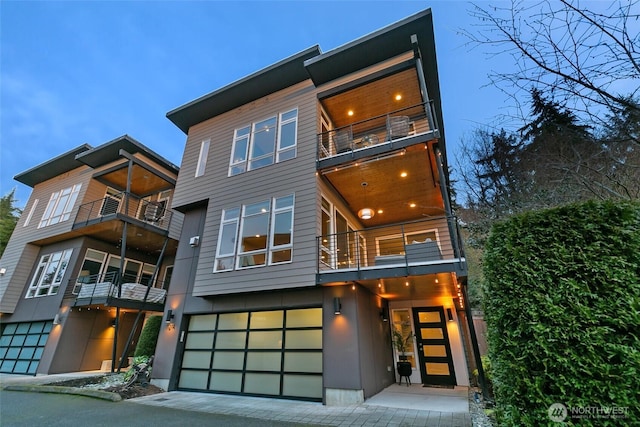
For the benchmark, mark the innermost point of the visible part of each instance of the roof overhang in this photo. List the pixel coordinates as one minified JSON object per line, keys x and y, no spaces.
{"x":51,"y":168}
{"x":110,"y":152}
{"x":379,"y":46}
{"x":278,"y":76}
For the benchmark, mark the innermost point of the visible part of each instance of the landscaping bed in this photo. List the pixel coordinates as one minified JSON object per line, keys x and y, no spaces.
{"x":113,"y":383}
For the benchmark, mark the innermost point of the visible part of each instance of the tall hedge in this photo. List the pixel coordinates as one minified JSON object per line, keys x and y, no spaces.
{"x":562,"y":305}
{"x":149,"y":337}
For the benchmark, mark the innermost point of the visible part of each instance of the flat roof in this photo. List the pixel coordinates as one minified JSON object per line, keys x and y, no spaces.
{"x":278,"y":76}
{"x":110,"y":151}
{"x":53,"y":167}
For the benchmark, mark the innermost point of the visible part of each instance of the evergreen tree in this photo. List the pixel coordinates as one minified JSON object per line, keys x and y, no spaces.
{"x":9,"y":215}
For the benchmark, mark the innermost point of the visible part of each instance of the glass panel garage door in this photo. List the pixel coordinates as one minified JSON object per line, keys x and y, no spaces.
{"x":21,"y":346}
{"x":265,"y":353}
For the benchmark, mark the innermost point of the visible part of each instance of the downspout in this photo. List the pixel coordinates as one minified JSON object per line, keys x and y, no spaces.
{"x":422,"y":81}
{"x":474,"y":342}
{"x":123,"y":253}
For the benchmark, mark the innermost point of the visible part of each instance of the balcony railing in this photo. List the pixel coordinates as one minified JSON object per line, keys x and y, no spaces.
{"x":409,"y":244}
{"x":376,"y":130}
{"x":100,"y":288}
{"x":154,"y":213}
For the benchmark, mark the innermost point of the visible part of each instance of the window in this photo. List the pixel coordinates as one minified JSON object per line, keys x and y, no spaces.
{"x":60,"y":206}
{"x":264,"y":143}
{"x":227,"y":240}
{"x":31,"y":211}
{"x":49,"y":274}
{"x":256,"y":235}
{"x":202,"y":158}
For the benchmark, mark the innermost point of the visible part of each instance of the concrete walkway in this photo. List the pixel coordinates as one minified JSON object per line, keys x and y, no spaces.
{"x":394,"y":406}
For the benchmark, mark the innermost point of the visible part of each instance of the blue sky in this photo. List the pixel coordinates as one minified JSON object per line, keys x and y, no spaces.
{"x":90,"y":71}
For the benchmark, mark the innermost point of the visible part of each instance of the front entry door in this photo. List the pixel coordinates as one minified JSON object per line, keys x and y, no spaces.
{"x":434,"y":351}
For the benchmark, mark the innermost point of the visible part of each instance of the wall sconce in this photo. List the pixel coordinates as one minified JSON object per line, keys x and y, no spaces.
{"x":194,"y":241}
{"x":112,"y":323}
{"x":57,"y":319}
{"x":3,"y":271}
{"x":449,"y":315}
{"x":170,"y":316}
{"x":337,"y":307}
{"x":384,"y":315}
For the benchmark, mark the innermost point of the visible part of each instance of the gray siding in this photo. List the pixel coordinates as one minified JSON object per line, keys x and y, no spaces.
{"x":19,"y":257}
{"x":224,"y":192}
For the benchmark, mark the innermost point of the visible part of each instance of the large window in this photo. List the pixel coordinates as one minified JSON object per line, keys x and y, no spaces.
{"x":49,"y":274}
{"x":60,"y":206}
{"x":264,"y":143}
{"x":256,"y":234}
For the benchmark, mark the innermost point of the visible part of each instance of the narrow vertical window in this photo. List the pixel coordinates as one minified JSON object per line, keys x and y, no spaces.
{"x":227,"y":240}
{"x":31,"y":211}
{"x":282,"y":230}
{"x":202,"y":158}
{"x":287,"y":135}
{"x":239,"y":151}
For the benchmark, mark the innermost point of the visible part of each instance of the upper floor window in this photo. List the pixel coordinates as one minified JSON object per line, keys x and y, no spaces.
{"x":49,"y":274}
{"x":202,"y":157}
{"x":265,"y":142}
{"x":256,"y":235}
{"x":60,"y":206}
{"x":31,"y":211}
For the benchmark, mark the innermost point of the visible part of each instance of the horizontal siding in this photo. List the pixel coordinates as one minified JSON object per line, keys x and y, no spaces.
{"x":292,"y":176}
{"x":19,"y":257}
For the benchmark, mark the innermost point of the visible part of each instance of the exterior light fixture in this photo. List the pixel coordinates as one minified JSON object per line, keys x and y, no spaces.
{"x":170,"y":316}
{"x":365,"y":213}
{"x":3,"y":271}
{"x":57,"y":319}
{"x":384,"y":316}
{"x":449,"y":315}
{"x":337,"y":307}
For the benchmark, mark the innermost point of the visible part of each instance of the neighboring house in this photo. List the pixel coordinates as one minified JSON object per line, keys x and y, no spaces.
{"x":316,"y":219}
{"x":93,"y":248}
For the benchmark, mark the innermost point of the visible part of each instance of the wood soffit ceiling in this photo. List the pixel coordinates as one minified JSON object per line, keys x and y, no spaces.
{"x":374,"y":99}
{"x":387,"y":190}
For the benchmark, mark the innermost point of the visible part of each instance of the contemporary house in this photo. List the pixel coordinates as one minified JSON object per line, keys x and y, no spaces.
{"x":318,"y":227}
{"x":89,"y":260}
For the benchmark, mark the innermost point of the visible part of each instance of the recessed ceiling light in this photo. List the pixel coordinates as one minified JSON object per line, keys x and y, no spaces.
{"x":380,"y":211}
{"x":403,"y":174}
{"x":412,"y":205}
{"x":350,"y":113}
{"x":398,"y":97}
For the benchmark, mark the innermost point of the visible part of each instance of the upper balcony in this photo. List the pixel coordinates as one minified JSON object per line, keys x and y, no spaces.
{"x":377,"y":115}
{"x":147,"y":221}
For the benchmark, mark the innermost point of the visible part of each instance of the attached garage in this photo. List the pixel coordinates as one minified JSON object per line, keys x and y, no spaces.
{"x":21,"y":346}
{"x":275,"y":353}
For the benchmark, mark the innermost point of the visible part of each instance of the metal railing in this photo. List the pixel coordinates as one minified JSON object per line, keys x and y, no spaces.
{"x":133,"y":287}
{"x":376,"y":130}
{"x":423,"y":242}
{"x":129,"y":205}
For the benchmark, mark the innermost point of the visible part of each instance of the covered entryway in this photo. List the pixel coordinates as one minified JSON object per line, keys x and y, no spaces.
{"x":434,"y":350}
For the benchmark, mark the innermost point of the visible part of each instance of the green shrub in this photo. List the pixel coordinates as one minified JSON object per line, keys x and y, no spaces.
{"x":149,"y":337}
{"x":562,"y":305}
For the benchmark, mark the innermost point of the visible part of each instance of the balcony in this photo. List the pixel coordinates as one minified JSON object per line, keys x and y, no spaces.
{"x":147,"y":222}
{"x":375,"y":135}
{"x":400,"y":251}
{"x":134,"y":292}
